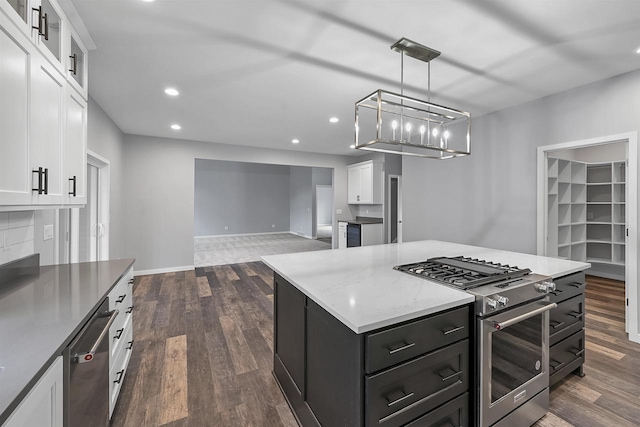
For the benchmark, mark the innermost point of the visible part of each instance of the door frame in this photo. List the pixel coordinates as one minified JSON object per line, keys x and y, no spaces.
{"x":388,"y":210}
{"x":104,"y":195}
{"x":631,"y":247}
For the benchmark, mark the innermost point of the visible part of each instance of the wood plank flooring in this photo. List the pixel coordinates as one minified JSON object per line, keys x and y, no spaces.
{"x":204,"y":343}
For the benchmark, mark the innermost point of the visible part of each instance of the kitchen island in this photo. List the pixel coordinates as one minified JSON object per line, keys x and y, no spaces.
{"x":342,"y":318}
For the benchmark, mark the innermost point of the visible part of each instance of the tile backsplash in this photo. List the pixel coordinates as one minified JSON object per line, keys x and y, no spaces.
{"x":16,"y":235}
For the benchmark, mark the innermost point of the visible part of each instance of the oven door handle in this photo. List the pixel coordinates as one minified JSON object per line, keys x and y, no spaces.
{"x":520,"y":318}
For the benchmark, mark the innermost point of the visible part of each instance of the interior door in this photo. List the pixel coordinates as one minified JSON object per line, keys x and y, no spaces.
{"x":90,"y":227}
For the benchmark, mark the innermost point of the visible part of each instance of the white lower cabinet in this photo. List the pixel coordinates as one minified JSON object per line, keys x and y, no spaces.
{"x":342,"y":235}
{"x":43,"y":405}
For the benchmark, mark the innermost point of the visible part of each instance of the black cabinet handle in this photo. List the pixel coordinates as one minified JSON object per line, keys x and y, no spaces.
{"x":129,"y":310}
{"x":450,"y":331}
{"x":406,"y":396}
{"x":45,"y":18}
{"x":39,"y":27}
{"x":448,"y":377}
{"x":74,"y":64}
{"x":118,"y":334}
{"x":575,"y":314}
{"x":46,"y":178}
{"x":404,"y":347}
{"x":557,"y":325}
{"x":578,"y":352}
{"x":131,"y":281}
{"x":119,"y":376}
{"x":557,"y":364}
{"x":73,"y":191}
{"x":130,"y":346}
{"x":557,"y":292}
{"x":576,"y":284}
{"x":121,"y":298}
{"x":40,"y":188}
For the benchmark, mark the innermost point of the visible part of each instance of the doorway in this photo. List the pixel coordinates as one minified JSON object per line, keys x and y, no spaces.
{"x":587,"y":209}
{"x":324,"y":211}
{"x":394,"y":213}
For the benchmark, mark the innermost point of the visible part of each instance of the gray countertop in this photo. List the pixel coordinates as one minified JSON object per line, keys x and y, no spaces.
{"x":363,"y":220}
{"x":361,"y":289}
{"x":40,"y":316}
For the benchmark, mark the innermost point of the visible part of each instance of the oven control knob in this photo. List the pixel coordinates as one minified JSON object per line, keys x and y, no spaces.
{"x":502,"y":300}
{"x":493,"y":304}
{"x":545,"y":287}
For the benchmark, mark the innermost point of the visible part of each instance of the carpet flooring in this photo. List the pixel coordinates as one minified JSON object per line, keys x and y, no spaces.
{"x":222,"y":250}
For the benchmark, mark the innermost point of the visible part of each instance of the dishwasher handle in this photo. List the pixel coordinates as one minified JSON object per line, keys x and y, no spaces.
{"x":88,"y":356}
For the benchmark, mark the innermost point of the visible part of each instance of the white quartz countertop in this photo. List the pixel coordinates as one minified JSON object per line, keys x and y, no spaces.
{"x":360,"y":288}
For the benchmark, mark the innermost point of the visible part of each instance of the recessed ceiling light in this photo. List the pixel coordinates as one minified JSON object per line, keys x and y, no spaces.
{"x":334,"y":120}
{"x":171,"y":91}
{"x":638,"y":51}
{"x":295,"y":141}
{"x":352,"y":146}
{"x":175,"y":126}
{"x":147,"y":1}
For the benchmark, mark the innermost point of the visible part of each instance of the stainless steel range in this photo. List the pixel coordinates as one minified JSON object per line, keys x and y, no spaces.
{"x":512,"y":333}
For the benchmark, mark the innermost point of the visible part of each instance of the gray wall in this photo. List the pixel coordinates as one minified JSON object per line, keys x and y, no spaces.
{"x":614,"y":152}
{"x":319,"y":176}
{"x":245,"y":197}
{"x":159,"y":192}
{"x":301,"y":201}
{"x":489,"y":198}
{"x":324,"y":205}
{"x":106,"y":139}
{"x":44,"y":247}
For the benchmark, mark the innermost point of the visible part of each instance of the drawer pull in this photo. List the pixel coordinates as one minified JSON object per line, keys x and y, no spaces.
{"x":557,"y":364}
{"x":131,"y":281}
{"x":450,"y":331}
{"x":557,"y":292}
{"x":576,"y":284}
{"x":575,"y":314}
{"x":406,"y":396}
{"x":129,"y":310}
{"x":119,"y":376}
{"x":578,"y":352}
{"x":121,"y":298}
{"x":448,"y":377}
{"x":404,"y":347}
{"x":130,"y":346}
{"x":557,"y":325}
{"x":118,"y":334}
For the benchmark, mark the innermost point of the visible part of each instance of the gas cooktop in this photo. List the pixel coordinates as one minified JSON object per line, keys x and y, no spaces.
{"x":463,"y":273}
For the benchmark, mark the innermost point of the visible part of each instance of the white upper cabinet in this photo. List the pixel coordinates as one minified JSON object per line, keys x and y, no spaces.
{"x":365,"y":183}
{"x":15,"y":58}
{"x":43,"y":107}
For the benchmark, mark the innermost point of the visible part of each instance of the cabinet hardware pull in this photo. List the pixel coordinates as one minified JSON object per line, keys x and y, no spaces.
{"x":448,"y":377}
{"x":404,"y":347}
{"x":74,"y":64}
{"x":118,"y":334}
{"x":119,"y":375}
{"x":39,"y":27}
{"x":73,"y":180}
{"x":557,"y":291}
{"x":130,"y":346}
{"x":450,"y":331}
{"x":39,"y":189}
{"x":576,"y":284}
{"x":557,"y":325}
{"x":406,"y":396}
{"x":557,"y":364}
{"x":575,"y":314}
{"x":129,"y":310}
{"x":46,"y":180}
{"x":46,"y":26}
{"x":131,"y":281}
{"x":121,"y":298}
{"x":578,"y":353}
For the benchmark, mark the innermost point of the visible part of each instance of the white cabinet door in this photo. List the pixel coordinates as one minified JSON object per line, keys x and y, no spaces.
{"x":43,"y":405}
{"x":48,"y":16}
{"x":353,"y":178}
{"x":15,"y":176}
{"x":342,"y":235}
{"x":76,"y":148}
{"x":46,"y":150}
{"x":366,"y":183}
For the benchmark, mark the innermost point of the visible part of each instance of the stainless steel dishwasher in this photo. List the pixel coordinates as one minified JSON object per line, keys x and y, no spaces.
{"x":87,"y":372}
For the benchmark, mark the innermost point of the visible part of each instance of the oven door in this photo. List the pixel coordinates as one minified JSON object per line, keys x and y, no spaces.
{"x":514,"y":359}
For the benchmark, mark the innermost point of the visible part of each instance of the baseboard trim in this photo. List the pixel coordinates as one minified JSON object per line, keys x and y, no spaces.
{"x":163,"y":270}
{"x":301,"y":235}
{"x":243,"y":234}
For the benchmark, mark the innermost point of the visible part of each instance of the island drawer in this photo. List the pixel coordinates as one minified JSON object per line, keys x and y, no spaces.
{"x":566,"y":319}
{"x":453,"y":413}
{"x":566,"y":356}
{"x":568,"y":287}
{"x":401,"y":394}
{"x":399,"y":344}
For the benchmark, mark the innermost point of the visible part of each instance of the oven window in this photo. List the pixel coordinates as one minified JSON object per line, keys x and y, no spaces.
{"x":516,"y":356}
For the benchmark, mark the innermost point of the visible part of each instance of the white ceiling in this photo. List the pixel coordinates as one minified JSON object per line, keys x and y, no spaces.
{"x":263,"y":72}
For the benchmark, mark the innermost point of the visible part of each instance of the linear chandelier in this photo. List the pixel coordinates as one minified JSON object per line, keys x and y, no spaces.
{"x":394,"y":123}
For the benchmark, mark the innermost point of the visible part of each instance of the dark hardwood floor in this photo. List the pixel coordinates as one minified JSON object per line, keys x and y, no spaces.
{"x":204,"y":343}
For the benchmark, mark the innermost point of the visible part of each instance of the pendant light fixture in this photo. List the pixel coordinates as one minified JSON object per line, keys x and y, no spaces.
{"x":394,"y":123}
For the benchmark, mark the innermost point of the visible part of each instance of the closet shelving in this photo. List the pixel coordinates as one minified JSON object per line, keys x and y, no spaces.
{"x":586,"y":211}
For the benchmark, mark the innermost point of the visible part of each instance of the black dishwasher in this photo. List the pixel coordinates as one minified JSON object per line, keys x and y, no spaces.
{"x":87,"y":372}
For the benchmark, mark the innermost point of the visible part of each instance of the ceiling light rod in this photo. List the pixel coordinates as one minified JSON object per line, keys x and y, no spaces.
{"x":426,"y":129}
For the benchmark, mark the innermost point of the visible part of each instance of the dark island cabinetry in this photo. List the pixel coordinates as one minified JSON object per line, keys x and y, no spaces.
{"x":417,"y":373}
{"x":566,"y":328}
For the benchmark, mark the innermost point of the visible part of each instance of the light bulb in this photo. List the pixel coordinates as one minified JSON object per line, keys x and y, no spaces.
{"x":394,"y":125}
{"x":434,"y":132}
{"x":422,"y":130}
{"x":408,"y":127}
{"x":446,"y":134}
